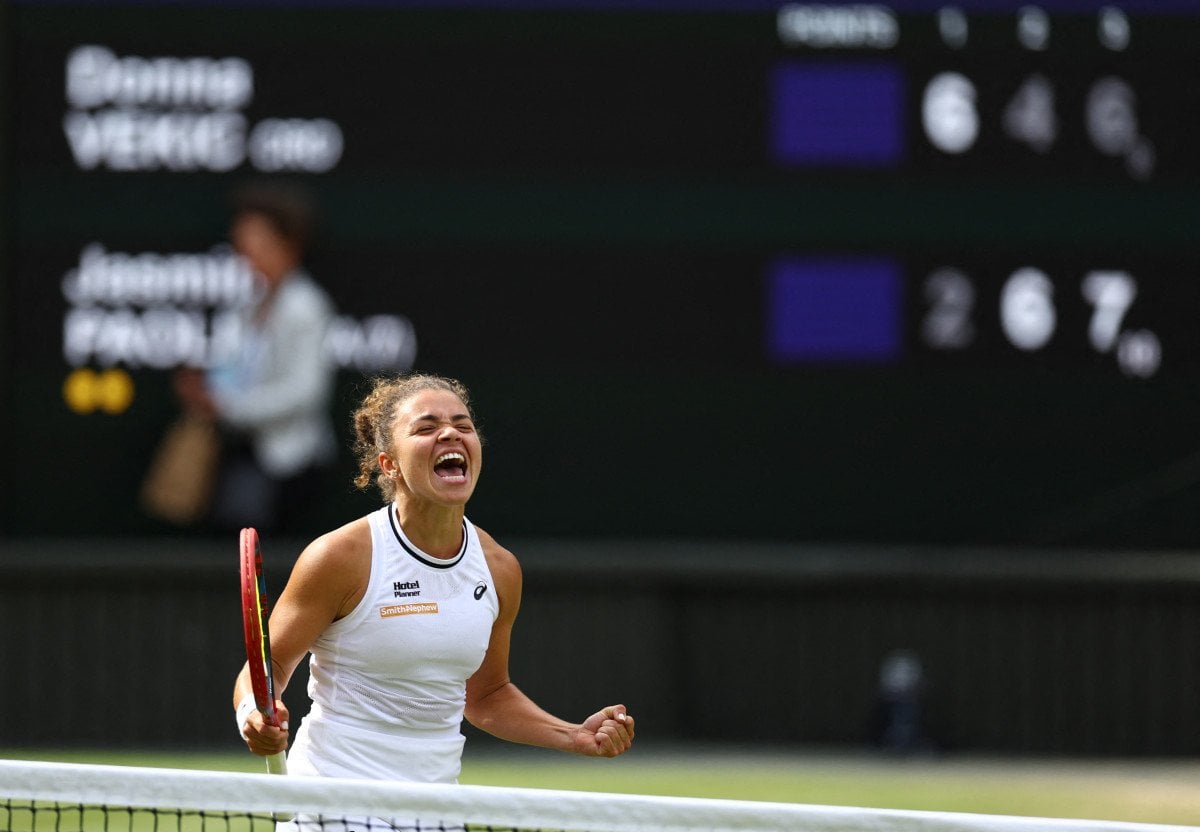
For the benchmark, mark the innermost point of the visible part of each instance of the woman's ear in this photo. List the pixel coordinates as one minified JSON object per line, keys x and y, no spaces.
{"x":388,"y":467}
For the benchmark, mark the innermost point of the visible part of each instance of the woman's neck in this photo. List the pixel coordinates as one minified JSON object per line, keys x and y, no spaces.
{"x":436,"y":530}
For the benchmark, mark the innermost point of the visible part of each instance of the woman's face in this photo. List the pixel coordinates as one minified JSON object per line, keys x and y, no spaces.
{"x":436,"y":452}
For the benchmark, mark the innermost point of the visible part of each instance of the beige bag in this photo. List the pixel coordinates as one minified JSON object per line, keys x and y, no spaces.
{"x":179,"y":484}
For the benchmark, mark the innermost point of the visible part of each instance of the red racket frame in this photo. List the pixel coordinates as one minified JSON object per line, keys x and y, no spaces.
{"x":256,"y":609}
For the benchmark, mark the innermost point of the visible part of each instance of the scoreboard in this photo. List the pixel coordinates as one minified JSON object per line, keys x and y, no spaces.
{"x":904,"y":272}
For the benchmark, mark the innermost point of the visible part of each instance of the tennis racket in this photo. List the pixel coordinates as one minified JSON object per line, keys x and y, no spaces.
{"x":255,"y":611}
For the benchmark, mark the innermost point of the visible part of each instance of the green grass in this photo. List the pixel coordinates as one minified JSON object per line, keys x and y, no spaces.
{"x":1149,"y":791}
{"x":1143,"y":791}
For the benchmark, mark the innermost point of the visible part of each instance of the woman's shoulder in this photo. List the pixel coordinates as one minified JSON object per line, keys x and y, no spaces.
{"x":342,"y":548}
{"x":354,"y":535}
{"x":337,"y":565}
{"x":500,"y":560}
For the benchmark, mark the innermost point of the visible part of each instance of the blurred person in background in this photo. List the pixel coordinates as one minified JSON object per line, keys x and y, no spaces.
{"x":270,"y":391}
{"x":898,"y":724}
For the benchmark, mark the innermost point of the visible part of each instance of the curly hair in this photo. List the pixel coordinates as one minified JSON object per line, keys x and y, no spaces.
{"x":376,"y":417}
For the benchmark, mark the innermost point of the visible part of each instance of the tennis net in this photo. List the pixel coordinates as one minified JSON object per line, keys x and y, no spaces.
{"x":64,"y":797}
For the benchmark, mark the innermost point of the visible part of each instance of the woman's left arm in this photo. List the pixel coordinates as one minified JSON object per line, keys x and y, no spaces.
{"x":496,"y":705}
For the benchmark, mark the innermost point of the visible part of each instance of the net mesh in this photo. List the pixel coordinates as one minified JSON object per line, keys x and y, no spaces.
{"x":62,"y":797}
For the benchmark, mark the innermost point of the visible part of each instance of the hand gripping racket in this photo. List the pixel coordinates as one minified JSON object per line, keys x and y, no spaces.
{"x":255,"y":611}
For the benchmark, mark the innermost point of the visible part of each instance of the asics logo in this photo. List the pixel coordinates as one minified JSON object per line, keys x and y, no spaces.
{"x":480,"y":588}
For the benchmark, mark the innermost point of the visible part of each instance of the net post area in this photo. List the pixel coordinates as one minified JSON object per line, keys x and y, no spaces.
{"x":175,"y":796}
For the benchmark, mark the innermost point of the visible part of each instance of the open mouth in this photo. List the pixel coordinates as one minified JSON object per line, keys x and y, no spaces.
{"x":451,"y":466}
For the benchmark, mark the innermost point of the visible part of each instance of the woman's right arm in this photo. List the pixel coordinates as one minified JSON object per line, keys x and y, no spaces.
{"x":327,"y":582}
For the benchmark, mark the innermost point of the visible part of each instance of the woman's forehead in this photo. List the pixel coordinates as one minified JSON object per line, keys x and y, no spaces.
{"x":432,"y":402}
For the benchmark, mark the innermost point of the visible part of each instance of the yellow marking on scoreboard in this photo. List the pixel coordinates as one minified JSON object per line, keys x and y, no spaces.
{"x":86,"y":391}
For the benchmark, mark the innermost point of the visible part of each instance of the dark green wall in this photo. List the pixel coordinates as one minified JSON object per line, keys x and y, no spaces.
{"x":1031,"y":652}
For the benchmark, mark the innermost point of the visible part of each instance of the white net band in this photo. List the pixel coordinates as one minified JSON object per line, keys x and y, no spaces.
{"x":437,"y":806}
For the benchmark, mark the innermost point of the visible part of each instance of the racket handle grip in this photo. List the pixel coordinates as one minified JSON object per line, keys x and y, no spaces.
{"x":277,"y":763}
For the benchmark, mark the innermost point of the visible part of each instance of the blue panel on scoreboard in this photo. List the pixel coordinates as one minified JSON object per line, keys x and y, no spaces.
{"x":831,"y":309}
{"x":844,"y":114}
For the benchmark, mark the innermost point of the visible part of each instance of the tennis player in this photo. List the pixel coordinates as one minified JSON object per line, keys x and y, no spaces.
{"x":408,"y":613}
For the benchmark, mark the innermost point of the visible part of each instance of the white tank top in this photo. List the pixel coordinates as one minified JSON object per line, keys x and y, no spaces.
{"x":388,"y":681}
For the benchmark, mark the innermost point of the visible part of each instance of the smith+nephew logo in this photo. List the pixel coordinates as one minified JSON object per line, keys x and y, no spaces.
{"x":419,"y":608}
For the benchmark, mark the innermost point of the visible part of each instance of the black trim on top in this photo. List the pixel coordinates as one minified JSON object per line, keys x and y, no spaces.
{"x":436,"y":563}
